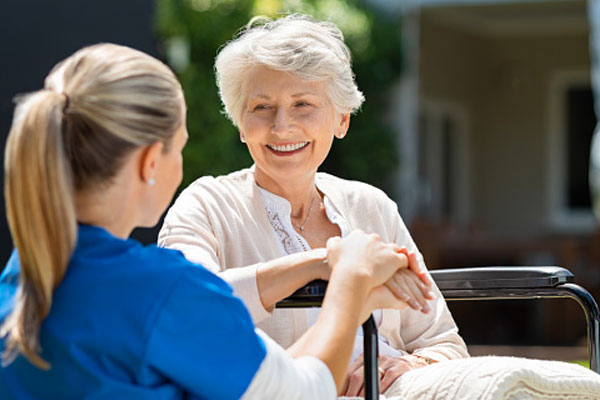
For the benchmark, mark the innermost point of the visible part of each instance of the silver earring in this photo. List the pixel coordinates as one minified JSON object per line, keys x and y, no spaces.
{"x":151,"y":182}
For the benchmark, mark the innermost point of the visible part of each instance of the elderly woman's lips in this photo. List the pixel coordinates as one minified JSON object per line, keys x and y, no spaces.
{"x":287,"y":148}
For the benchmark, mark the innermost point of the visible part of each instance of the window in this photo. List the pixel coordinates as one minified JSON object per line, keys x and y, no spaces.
{"x":580,"y":124}
{"x":443,"y":163}
{"x":572,"y":124}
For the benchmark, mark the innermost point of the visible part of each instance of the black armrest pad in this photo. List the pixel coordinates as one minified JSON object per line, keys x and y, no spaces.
{"x":500,"y":277}
{"x":310,"y":295}
{"x":312,"y":289}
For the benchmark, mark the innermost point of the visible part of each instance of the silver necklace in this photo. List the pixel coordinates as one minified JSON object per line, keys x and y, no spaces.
{"x":301,"y":227}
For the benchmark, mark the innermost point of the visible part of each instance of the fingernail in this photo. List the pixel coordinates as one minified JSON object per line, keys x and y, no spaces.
{"x":429,"y":294}
{"x":425,"y":309}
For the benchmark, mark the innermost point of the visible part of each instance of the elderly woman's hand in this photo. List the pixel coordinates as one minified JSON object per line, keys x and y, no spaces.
{"x":390,"y":369}
{"x":412,"y":285}
{"x":409,"y":288}
{"x":413,"y":265}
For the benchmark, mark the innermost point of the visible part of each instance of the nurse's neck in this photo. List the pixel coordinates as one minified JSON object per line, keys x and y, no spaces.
{"x":109,"y":206}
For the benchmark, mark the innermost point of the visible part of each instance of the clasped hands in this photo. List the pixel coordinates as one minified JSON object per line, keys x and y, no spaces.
{"x":396,"y":278}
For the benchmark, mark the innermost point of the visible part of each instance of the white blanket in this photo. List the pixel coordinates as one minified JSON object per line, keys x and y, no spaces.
{"x":497,"y":378}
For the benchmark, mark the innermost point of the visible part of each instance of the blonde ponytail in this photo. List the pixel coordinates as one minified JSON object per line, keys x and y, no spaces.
{"x":97,"y":106}
{"x":41,"y":215}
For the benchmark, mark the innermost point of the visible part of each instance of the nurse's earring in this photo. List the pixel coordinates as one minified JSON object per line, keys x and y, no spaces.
{"x":242,"y":138}
{"x":151,"y":182}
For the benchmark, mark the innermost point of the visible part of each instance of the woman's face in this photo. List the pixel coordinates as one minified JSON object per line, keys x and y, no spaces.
{"x":288,"y":125}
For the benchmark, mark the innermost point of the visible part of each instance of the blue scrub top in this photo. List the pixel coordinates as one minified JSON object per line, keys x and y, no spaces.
{"x":135,"y":322}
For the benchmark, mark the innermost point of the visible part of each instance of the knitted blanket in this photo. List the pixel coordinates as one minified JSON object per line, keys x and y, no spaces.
{"x":497,"y":378}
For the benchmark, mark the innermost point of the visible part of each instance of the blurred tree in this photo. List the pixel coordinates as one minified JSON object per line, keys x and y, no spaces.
{"x":192,"y":31}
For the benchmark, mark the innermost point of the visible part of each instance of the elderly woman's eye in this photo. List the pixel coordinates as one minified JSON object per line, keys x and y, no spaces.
{"x":260,"y":107}
{"x":302,"y":104}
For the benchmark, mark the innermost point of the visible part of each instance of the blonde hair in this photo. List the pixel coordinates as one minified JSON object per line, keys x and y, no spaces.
{"x":96,"y":107}
{"x":314,"y":51}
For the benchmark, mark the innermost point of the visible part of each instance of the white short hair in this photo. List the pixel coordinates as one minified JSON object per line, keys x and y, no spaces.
{"x":312,"y":50}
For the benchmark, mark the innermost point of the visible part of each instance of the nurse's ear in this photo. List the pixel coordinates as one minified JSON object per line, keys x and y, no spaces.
{"x":150,"y":162}
{"x":341,"y":128}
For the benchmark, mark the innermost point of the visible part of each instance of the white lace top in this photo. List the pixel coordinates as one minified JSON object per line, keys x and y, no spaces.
{"x":279,"y":211}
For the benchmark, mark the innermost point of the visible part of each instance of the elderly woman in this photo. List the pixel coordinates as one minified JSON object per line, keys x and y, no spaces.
{"x":87,"y":313}
{"x":288,"y":87}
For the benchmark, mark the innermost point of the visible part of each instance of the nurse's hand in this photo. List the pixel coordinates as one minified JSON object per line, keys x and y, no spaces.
{"x":365,"y":257}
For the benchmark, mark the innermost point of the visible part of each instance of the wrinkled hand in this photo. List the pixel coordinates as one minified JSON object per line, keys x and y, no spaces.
{"x":410,"y":289}
{"x":393,"y":368}
{"x":413,"y":265}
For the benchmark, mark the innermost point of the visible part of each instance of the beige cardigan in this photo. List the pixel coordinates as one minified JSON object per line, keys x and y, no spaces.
{"x":222,"y":224}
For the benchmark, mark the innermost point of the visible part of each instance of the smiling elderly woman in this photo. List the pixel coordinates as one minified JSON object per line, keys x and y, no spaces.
{"x":289,"y":88}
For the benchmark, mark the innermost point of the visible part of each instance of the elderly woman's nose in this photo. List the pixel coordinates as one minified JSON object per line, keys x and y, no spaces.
{"x":281,"y":121}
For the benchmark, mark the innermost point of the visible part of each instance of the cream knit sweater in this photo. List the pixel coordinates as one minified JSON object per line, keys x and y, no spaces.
{"x":222,"y":224}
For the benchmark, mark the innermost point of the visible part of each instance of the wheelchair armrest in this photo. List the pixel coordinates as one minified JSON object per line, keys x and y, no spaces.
{"x":310,"y":295}
{"x":460,"y":278}
{"x":500,"y":277}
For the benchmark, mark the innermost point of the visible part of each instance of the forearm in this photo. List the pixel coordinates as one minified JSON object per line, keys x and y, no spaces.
{"x":282,"y":377}
{"x":279,"y":278}
{"x":331,"y":338}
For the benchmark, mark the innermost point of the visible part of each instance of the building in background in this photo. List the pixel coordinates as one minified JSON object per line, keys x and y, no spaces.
{"x":501,"y":128}
{"x":495,"y":114}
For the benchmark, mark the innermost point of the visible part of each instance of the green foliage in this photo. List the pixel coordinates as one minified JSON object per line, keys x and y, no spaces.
{"x":368,"y":153}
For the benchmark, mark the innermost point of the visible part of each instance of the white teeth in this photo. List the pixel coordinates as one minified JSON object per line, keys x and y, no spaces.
{"x":288,"y":147}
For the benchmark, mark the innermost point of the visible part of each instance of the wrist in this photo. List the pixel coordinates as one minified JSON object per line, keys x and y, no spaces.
{"x":353,"y":273}
{"x":319,"y":266}
{"x":352,"y":281}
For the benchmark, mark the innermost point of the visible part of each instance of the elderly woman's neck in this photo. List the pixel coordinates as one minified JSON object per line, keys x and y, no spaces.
{"x":300,"y":192}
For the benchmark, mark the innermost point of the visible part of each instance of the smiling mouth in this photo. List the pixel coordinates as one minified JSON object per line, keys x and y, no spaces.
{"x":288,"y":148}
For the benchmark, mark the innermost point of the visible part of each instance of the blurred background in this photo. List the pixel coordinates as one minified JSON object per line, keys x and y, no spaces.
{"x":478,"y":121}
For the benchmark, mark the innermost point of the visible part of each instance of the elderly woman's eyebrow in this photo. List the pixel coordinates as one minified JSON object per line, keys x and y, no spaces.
{"x":260,"y":96}
{"x":301,"y":94}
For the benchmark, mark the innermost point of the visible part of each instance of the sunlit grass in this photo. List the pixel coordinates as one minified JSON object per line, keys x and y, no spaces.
{"x":583,"y":363}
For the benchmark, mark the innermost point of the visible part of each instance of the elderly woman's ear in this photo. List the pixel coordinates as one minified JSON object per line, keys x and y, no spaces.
{"x":343,"y":126}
